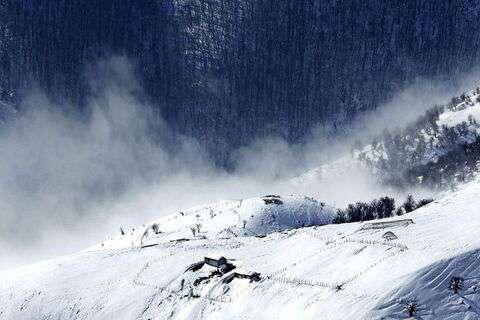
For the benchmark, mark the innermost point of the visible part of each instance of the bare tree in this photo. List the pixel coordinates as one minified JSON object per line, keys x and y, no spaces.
{"x":194,"y":231}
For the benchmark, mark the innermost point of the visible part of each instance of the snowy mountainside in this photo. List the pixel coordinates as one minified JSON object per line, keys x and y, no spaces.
{"x":440,"y":150}
{"x":346,"y":271}
{"x":462,"y":112}
{"x":329,"y":172}
{"x":227,"y":219}
{"x":430,"y":140}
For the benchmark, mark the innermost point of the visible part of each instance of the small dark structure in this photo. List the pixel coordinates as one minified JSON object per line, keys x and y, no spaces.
{"x":411,"y":307}
{"x":180,"y":240}
{"x":200,"y":280}
{"x":195,"y":266}
{"x":156,"y":228}
{"x":387,"y":224}
{"x":149,"y":245}
{"x":252,"y":276}
{"x":272,"y":201}
{"x":389,"y":235}
{"x":456,"y":284}
{"x":272,"y":196}
{"x":215,"y":261}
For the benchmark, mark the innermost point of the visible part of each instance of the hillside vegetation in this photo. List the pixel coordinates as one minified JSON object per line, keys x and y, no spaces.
{"x":440,"y":150}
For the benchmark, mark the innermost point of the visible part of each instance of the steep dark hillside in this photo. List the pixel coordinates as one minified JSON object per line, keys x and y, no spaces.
{"x":226,"y":71}
{"x":439,"y":151}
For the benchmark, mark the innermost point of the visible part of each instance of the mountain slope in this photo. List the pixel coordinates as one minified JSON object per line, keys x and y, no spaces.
{"x":440,"y":150}
{"x":228,"y":219}
{"x":256,"y":67}
{"x":346,"y":271}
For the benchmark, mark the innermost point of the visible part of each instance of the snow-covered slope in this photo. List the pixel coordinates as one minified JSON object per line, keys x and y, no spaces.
{"x":340,"y":169}
{"x":440,"y":131}
{"x":346,"y":271}
{"x":462,"y":113}
{"x":227,"y":219}
{"x":438,"y":151}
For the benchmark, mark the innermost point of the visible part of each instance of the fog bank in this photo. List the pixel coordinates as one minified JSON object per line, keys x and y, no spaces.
{"x":67,"y":183}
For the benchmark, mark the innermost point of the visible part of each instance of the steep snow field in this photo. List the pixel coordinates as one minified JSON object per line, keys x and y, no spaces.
{"x":344,"y":271}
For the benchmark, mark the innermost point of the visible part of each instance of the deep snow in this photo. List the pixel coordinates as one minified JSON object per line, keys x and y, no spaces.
{"x":329,"y":272}
{"x":227,"y":219}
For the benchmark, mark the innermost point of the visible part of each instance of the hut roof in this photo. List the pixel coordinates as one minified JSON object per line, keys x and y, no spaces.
{"x":214,"y":256}
{"x":387,"y":224}
{"x":389,"y":235}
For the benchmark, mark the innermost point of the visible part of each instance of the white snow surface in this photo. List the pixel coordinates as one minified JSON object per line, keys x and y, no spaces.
{"x":453,"y":118}
{"x":340,"y":169}
{"x":227,"y":219}
{"x":462,"y":112}
{"x":345,"y":271}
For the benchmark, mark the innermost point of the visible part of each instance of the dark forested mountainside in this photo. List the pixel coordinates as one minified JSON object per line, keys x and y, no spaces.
{"x":440,"y":150}
{"x":225,"y":71}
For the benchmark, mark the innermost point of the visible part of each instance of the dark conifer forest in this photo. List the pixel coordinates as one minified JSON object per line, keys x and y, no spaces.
{"x":229,"y":71}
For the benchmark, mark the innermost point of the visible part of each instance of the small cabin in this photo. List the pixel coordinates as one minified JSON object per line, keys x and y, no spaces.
{"x":389,"y":235}
{"x":242,"y":274}
{"x":251,"y":275}
{"x":215,"y":261}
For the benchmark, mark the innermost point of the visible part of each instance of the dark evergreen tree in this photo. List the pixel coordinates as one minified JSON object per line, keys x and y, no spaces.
{"x":340,"y":217}
{"x":385,"y":207}
{"x":409,"y":205}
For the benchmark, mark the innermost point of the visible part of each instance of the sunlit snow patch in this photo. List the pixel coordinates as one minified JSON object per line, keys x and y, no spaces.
{"x":234,"y":218}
